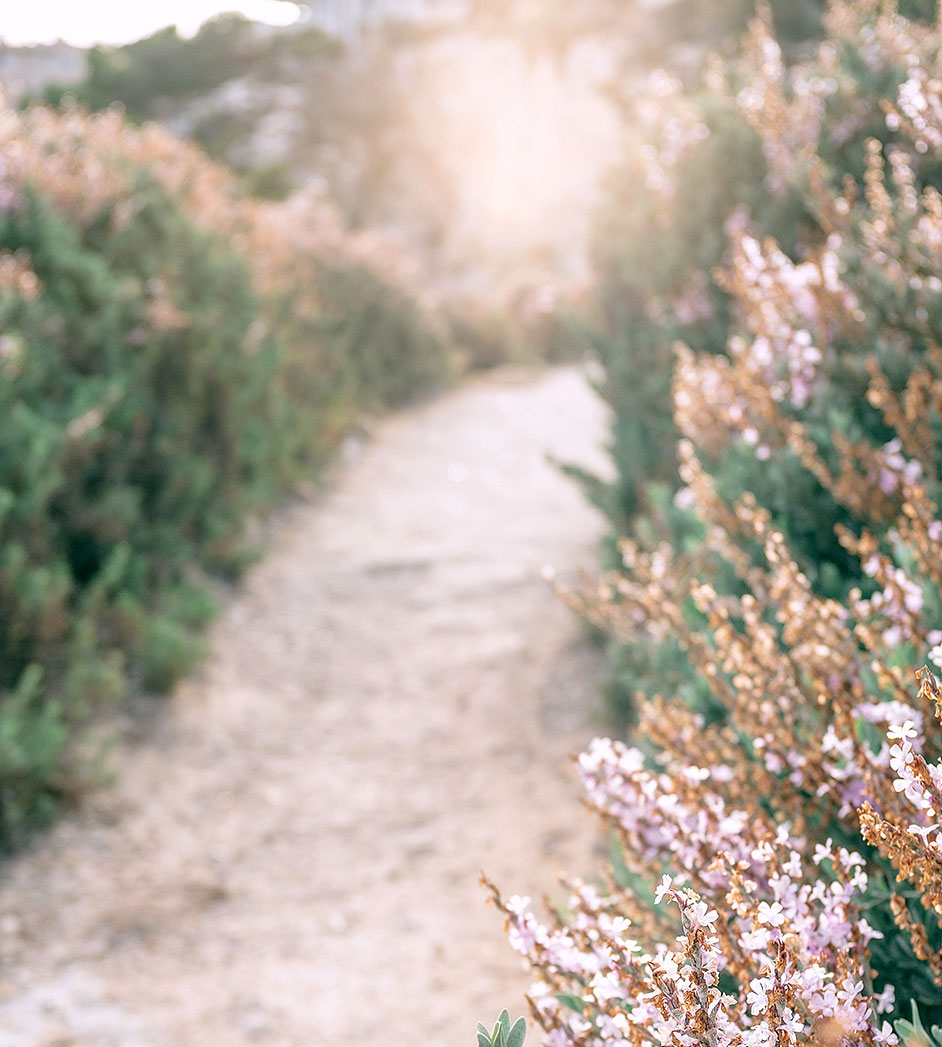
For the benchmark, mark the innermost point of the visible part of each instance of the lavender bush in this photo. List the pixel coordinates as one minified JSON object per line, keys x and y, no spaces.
{"x":789,"y":840}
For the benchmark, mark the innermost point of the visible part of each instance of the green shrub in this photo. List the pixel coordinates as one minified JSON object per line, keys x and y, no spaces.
{"x":157,"y":389}
{"x":793,"y":609}
{"x":383,"y":350}
{"x":166,"y":65}
{"x":707,"y":160}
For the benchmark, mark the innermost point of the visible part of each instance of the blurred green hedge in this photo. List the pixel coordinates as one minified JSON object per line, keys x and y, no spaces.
{"x":151,"y":400}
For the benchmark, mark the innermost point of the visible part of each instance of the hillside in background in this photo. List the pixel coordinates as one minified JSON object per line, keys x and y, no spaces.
{"x":485,"y":179}
{"x":488,"y":181}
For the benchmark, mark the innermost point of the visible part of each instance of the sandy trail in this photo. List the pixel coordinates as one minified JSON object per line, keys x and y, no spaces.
{"x":291,"y":856}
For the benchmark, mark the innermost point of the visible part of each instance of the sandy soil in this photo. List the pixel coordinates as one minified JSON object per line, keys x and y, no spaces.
{"x":291,"y":856}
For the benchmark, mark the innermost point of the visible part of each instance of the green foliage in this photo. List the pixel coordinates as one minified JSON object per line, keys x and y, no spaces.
{"x":269,"y":182}
{"x":657,"y":247}
{"x":122,"y":461}
{"x":645,"y":244}
{"x":166,"y":71}
{"x":380,"y":347}
{"x":661,"y":247}
{"x":33,"y":734}
{"x":166,"y":65}
{"x":708,"y":23}
{"x":490,"y":333}
{"x":503,"y":1034}
{"x":915,"y":1034}
{"x":648,"y":249}
{"x":484,"y":336}
{"x":153,"y":399}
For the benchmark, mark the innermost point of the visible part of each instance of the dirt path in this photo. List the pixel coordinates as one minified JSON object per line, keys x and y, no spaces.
{"x":291,"y":857}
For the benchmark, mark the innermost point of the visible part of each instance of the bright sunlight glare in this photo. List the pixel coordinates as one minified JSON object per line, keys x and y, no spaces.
{"x":86,"y":22}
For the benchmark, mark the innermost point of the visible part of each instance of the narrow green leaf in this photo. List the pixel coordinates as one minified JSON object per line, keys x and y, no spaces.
{"x":517,"y":1034}
{"x":504,"y":1021}
{"x":574,"y":1003}
{"x":484,"y":1040}
{"x":913,"y":1033}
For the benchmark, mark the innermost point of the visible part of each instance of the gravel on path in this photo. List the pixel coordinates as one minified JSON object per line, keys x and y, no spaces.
{"x":291,"y":854}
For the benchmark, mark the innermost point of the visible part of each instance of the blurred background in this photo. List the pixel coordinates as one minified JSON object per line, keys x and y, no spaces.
{"x":472,"y":133}
{"x":232,"y":237}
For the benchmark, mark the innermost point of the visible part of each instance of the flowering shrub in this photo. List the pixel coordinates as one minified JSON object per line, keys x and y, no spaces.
{"x":776,"y":945}
{"x":172,"y":356}
{"x":754,"y":140}
{"x":839,"y":155}
{"x":802,"y":776}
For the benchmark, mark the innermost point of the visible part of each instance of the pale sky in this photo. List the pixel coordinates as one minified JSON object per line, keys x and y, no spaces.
{"x":86,"y":22}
